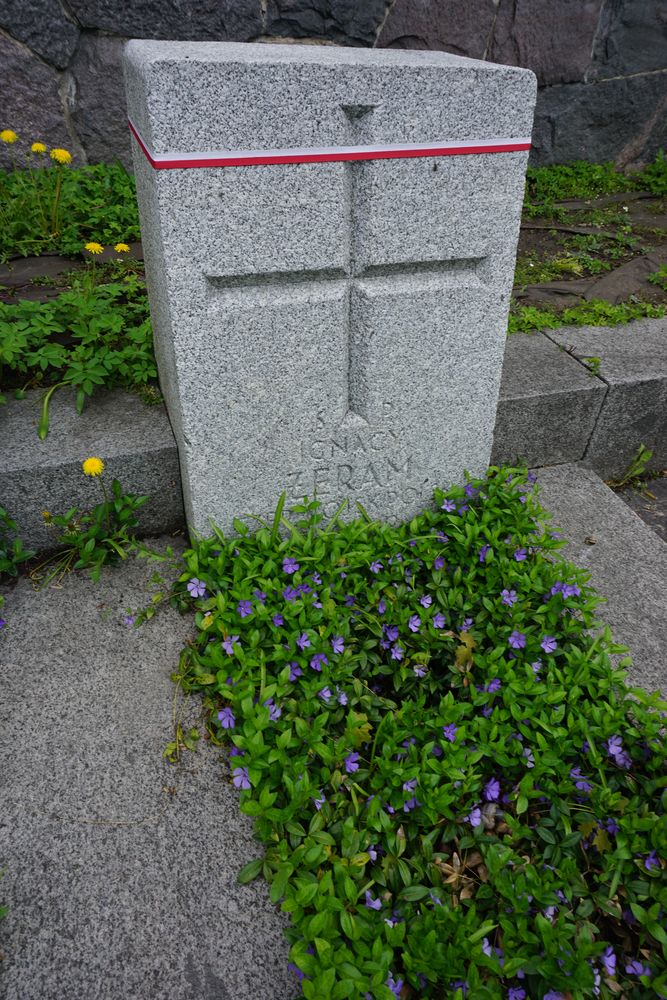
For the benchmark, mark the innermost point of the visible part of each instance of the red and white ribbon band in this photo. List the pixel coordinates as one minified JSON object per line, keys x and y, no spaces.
{"x":326,"y":154}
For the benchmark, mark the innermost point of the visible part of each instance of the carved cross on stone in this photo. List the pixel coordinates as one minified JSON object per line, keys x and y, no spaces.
{"x":326,"y":326}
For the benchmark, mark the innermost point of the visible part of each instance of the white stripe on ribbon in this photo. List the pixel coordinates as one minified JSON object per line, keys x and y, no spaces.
{"x":324,"y":154}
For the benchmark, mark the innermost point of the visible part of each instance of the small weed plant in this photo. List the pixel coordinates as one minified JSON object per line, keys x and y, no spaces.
{"x":457,"y":793}
{"x":596,"y":312}
{"x":93,"y":538}
{"x":96,"y":334}
{"x":581,"y":180}
{"x":49,"y":206}
{"x":659,"y":278}
{"x":12,"y":553}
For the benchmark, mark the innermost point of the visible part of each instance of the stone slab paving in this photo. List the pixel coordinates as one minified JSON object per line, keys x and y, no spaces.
{"x":633,"y":364}
{"x":135,"y":441}
{"x":120,"y":868}
{"x":627,"y":562}
{"x":649,"y":503}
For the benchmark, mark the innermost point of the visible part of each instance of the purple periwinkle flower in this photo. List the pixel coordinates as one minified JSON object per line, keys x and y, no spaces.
{"x":410,"y":804}
{"x":319,"y":801}
{"x":509,"y":597}
{"x":410,"y":785}
{"x":438,"y":620}
{"x":325,"y":694}
{"x":338,"y":644}
{"x":419,"y":670}
{"x":376,"y":566}
{"x":226,"y":718}
{"x":291,"y":967}
{"x":635,"y":968}
{"x":127,"y":620}
{"x":449,"y":732}
{"x":240,"y":778}
{"x":470,"y":490}
{"x":352,"y":762}
{"x":274,"y":711}
{"x":528,"y":757}
{"x":414,"y":623}
{"x":294,"y":671}
{"x":611,"y":826}
{"x":349,"y":600}
{"x":520,"y":555}
{"x":260,"y":595}
{"x":516,"y":993}
{"x":318,"y":660}
{"x":391,"y":632}
{"x":448,"y":505}
{"x":228,"y":644}
{"x":494,"y":685}
{"x":341,"y":697}
{"x":474,"y":817}
{"x":492,"y":790}
{"x":608,"y":959}
{"x":549,"y":644}
{"x":580,"y":781}
{"x":651,"y":861}
{"x":615,"y":750}
{"x":382,"y":606}
{"x":196,"y":588}
{"x":483,"y":552}
{"x":553,"y":995}
{"x":438,"y":562}
{"x":290,"y":565}
{"x":395,"y":985}
{"x":278,"y":620}
{"x":372,"y":904}
{"x":303,"y":641}
{"x":466,"y":625}
{"x":244,"y":609}
{"x":486,"y":948}
{"x":397,"y":652}
{"x":517,"y":640}
{"x":571,"y":590}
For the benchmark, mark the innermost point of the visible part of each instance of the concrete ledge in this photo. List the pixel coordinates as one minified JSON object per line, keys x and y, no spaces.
{"x":548,"y":406}
{"x":627,"y":562}
{"x":134,"y":440}
{"x":633,"y":365}
{"x":551,"y":410}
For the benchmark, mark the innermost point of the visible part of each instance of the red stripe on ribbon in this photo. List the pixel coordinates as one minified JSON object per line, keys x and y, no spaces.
{"x":269,"y":157}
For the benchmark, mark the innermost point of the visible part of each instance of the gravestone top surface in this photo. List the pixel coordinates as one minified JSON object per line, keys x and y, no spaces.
{"x":335,"y":326}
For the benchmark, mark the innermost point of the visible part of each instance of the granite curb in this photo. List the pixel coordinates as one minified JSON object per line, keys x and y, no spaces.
{"x":552,"y":410}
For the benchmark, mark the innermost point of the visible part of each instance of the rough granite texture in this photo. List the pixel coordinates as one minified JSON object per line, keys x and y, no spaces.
{"x":549,"y":404}
{"x":134,"y":440}
{"x":43,"y":26}
{"x":627,"y":562}
{"x":335,"y":327}
{"x":95,"y":92}
{"x":31,"y":119}
{"x":633,"y":363}
{"x":120,"y":869}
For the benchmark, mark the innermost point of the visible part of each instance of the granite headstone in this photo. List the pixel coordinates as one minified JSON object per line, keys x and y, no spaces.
{"x":329,"y":236}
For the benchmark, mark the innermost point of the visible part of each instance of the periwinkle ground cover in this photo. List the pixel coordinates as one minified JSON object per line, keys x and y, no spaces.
{"x":457,"y":793}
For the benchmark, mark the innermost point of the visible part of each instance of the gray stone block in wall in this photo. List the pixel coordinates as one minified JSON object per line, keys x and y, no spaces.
{"x":548,"y":404}
{"x":633,"y":363}
{"x":327,"y":327}
{"x":134,"y":441}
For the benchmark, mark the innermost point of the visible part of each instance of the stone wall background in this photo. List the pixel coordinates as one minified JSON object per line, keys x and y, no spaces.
{"x":601,"y":64}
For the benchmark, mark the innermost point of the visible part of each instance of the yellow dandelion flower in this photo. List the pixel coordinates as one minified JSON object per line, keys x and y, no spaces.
{"x":93,"y":466}
{"x":60,"y":156}
{"x":8,"y":136}
{"x":94,"y":248}
{"x":121,"y":248}
{"x":38,"y":147}
{"x":46,"y":515}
